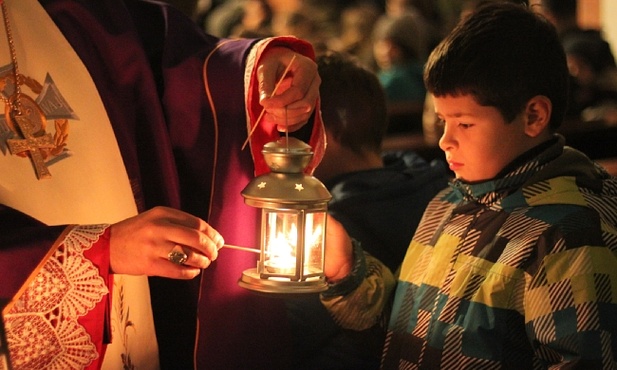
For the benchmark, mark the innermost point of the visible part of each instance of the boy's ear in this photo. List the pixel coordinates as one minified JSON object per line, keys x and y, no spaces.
{"x":537,"y":115}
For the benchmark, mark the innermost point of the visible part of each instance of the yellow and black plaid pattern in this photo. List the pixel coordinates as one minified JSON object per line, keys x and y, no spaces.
{"x":519,"y":272}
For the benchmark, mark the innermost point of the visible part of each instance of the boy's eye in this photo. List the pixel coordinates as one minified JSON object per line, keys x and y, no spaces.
{"x":465,"y":125}
{"x":440,"y":123}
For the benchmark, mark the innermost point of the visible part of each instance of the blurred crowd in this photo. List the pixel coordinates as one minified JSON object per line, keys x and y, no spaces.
{"x":394,"y":37}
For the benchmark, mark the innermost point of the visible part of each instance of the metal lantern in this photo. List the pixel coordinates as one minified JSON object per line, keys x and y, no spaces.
{"x":293,"y":222}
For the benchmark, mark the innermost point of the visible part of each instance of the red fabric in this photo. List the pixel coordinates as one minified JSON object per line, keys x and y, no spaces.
{"x":264,"y":134}
{"x":97,"y":321}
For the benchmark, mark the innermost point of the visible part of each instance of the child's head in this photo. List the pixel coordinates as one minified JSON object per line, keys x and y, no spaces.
{"x":503,"y":55}
{"x":397,"y":41}
{"x":353,"y":103}
{"x":353,"y":108}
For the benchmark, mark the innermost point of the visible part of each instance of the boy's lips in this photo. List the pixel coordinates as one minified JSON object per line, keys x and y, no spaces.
{"x":454,"y":166}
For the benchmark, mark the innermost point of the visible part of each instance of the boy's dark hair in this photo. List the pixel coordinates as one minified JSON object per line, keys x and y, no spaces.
{"x":353,"y":103}
{"x":503,"y":54}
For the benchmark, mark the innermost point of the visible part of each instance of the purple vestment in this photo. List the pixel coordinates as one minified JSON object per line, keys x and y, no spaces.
{"x":176,"y":154}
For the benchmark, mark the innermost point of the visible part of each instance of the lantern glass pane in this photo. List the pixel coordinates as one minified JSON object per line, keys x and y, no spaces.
{"x":314,"y":242}
{"x":280,"y":242}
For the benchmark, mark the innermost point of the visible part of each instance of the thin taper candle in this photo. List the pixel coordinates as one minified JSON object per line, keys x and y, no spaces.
{"x":241,"y":248}
{"x":271,"y":95}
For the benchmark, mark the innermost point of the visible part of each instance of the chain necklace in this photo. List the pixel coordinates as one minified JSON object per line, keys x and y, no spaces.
{"x":15,"y":106}
{"x":24,"y":115}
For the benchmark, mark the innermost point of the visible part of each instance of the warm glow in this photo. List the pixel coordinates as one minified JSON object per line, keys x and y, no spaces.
{"x":282,"y":243}
{"x":313,"y":241}
{"x":281,"y":250}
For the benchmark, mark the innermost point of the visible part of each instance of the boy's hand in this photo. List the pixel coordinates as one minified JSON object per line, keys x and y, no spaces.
{"x":339,"y":251}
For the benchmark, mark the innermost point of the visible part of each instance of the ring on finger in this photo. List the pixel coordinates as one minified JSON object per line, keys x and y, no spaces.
{"x":177,"y":256}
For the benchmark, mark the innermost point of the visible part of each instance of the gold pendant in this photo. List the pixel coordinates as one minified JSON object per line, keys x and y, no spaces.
{"x":30,"y":123}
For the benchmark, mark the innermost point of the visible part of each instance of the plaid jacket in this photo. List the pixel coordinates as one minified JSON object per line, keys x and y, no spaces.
{"x":518,"y":272}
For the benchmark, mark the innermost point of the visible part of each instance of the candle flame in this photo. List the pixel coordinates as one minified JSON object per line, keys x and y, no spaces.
{"x":282,"y":243}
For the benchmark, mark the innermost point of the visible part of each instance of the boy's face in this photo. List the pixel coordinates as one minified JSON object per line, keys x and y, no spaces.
{"x":477,"y":141}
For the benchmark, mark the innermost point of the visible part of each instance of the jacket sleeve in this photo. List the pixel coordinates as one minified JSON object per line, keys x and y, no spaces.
{"x":358,"y":302}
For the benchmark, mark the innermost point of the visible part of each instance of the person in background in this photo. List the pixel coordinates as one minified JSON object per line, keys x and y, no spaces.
{"x":402,"y":38}
{"x":121,"y":159}
{"x":594,"y":78}
{"x":256,"y":20}
{"x":303,"y":23}
{"x":378,"y":199}
{"x":220,"y":20}
{"x":399,"y":55}
{"x":513,"y":265}
{"x":370,"y":188}
{"x":561,"y":13}
{"x":590,"y":60}
{"x":356,"y":25}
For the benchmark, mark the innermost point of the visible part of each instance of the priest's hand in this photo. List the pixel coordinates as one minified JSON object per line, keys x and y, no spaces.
{"x":339,"y":252}
{"x":293,"y":102}
{"x":163,"y":242}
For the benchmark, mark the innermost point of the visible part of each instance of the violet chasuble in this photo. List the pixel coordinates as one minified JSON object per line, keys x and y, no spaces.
{"x":135,"y":125}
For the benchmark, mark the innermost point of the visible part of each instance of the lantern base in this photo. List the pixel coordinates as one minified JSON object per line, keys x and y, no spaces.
{"x":251,"y":280}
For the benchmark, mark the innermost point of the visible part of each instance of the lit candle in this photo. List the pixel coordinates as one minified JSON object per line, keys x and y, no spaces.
{"x":281,"y":257}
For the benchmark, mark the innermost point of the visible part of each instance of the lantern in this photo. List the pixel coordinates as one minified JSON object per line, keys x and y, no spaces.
{"x":293,"y":222}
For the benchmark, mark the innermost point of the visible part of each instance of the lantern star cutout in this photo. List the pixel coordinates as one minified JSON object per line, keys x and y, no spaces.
{"x":261,"y":185}
{"x":299,"y":187}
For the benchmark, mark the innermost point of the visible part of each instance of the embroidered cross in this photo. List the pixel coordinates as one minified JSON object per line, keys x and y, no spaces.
{"x":31,"y":144}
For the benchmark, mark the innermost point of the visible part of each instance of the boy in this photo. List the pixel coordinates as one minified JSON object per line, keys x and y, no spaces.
{"x":514,"y":265}
{"x":379,"y":199}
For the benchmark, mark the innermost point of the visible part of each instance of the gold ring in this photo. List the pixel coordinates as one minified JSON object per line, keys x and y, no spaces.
{"x":177,"y":257}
